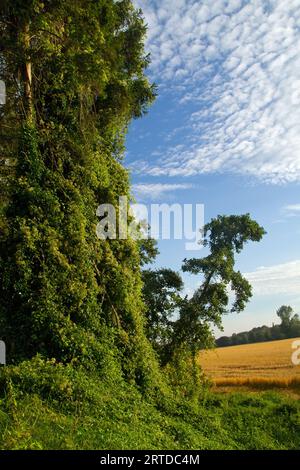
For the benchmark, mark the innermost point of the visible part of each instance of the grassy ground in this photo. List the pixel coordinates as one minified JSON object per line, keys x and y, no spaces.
{"x":258,"y":366}
{"x":40,"y":410}
{"x":233,"y":421}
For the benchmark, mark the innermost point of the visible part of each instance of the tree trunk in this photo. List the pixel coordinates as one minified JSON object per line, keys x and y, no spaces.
{"x":27,"y":77}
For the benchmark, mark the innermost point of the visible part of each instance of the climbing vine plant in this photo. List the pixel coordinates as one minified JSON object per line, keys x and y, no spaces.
{"x":75,"y":78}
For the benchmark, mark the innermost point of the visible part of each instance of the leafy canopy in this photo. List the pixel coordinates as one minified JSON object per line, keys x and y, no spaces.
{"x":224,"y":236}
{"x":75,"y":78}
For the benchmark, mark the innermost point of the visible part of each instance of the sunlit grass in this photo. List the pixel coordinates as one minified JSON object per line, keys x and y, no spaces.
{"x":258,"y":382}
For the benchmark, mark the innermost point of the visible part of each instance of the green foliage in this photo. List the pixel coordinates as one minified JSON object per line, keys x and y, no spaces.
{"x":82,"y":373}
{"x":289,"y":328}
{"x":45,"y":405}
{"x":79,"y":68}
{"x":191,"y":330}
{"x":290,"y":323}
{"x":161,"y":293}
{"x":148,"y":250}
{"x":186,"y":376}
{"x":224,"y":236}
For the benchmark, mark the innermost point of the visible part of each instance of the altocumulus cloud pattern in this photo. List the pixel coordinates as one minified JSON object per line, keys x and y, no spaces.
{"x":238,"y":63}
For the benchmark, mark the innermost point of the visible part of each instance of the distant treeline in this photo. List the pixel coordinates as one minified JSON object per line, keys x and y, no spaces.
{"x":289,"y":328}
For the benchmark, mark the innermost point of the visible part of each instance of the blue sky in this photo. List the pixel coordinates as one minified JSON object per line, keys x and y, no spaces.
{"x":225,"y":132}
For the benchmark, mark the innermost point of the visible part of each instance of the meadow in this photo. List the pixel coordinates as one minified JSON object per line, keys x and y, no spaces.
{"x":259,"y":365}
{"x":50,"y":406}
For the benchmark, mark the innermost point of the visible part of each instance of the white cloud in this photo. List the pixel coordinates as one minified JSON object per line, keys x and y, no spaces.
{"x":278,"y":279}
{"x":291,"y":210}
{"x":241,"y":62}
{"x":148,"y":191}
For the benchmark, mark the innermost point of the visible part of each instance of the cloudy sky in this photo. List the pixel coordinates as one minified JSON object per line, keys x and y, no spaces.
{"x":225,"y":132}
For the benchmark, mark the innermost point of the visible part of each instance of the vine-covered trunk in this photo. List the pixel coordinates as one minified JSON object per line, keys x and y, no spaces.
{"x":75,"y":78}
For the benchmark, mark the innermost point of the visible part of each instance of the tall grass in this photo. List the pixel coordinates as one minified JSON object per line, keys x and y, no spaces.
{"x":259,"y":382}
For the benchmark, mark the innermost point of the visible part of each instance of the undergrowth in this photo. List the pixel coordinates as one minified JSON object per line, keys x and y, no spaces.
{"x":45,"y":405}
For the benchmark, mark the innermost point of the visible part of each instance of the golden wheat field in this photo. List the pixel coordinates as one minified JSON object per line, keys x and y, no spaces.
{"x":259,"y":365}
